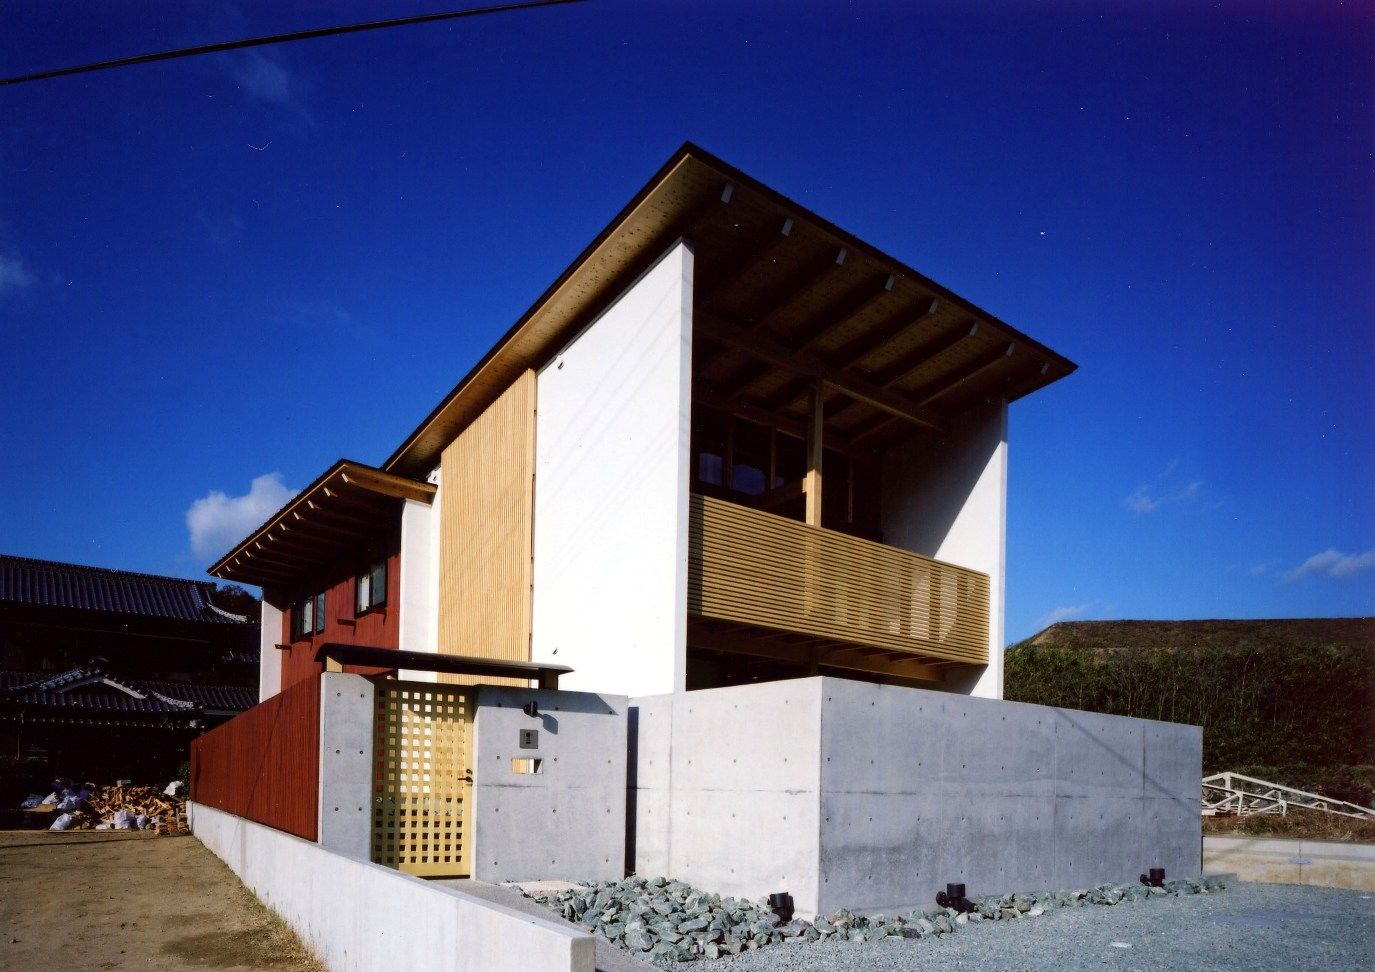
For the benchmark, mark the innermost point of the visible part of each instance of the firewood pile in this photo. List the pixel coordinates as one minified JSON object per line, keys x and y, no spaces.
{"x":142,"y":801}
{"x":119,"y":807}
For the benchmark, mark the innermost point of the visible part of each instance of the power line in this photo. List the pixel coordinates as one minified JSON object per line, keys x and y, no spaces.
{"x":279,"y":39}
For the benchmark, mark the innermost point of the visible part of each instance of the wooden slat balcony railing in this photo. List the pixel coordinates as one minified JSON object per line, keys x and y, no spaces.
{"x":762,"y":569}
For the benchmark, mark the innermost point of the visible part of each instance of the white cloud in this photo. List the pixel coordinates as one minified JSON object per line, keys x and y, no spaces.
{"x":13,"y":274}
{"x":217,"y":520}
{"x":267,"y":78}
{"x":1149,"y":497}
{"x":1064,"y":614}
{"x":1333,"y":563}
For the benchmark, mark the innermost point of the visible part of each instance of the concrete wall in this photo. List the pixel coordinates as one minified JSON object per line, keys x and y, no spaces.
{"x":345,"y":804}
{"x":725,"y":788}
{"x":863,"y":796}
{"x":1270,"y":860}
{"x":946,"y":497}
{"x":566,"y":821}
{"x":418,"y":605}
{"x":269,"y":656}
{"x":611,"y":491}
{"x":359,"y":916}
{"x":922,"y":788}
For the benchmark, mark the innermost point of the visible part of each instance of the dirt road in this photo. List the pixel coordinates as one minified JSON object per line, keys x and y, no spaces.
{"x":105,"y":900}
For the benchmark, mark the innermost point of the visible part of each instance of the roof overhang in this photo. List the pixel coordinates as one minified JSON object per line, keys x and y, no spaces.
{"x":427,"y":661}
{"x":346,"y":507}
{"x":786,"y":302}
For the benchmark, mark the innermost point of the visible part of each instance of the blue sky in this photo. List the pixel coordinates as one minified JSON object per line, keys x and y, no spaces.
{"x":218,"y":275}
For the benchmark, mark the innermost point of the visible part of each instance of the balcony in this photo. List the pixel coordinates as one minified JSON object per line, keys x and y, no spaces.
{"x":757,"y":569}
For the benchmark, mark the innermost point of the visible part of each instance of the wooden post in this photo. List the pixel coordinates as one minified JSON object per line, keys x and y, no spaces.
{"x":815,"y":447}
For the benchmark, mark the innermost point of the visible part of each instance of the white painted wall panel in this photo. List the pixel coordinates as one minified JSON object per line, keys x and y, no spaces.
{"x":946,"y":498}
{"x":611,"y":491}
{"x":418,"y":622}
{"x":269,"y":658}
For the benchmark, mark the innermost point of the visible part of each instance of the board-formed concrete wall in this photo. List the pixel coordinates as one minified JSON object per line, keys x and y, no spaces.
{"x":568,"y":820}
{"x":853,"y":795}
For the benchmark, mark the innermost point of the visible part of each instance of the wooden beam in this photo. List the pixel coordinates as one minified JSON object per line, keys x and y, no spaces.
{"x":812,"y":365}
{"x":832,"y":655}
{"x":758,"y":248}
{"x":892,"y":373}
{"x":746,"y":409}
{"x":866,"y":344}
{"x":376,"y":481}
{"x":851,"y":305}
{"x":838,"y":314}
{"x":976,"y":366}
{"x":796,"y":283}
{"x":934,"y":390}
{"x":816,"y":431}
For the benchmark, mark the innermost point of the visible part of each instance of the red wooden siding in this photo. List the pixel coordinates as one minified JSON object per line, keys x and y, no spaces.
{"x":264,"y":764}
{"x":378,"y":627}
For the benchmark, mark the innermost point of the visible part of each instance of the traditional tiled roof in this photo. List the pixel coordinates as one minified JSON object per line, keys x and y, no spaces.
{"x":24,"y":580}
{"x":93,"y":689}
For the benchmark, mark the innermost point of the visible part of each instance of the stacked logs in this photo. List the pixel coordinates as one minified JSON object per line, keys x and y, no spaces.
{"x":106,"y":801}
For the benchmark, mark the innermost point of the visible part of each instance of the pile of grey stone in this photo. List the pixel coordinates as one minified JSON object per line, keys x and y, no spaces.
{"x":671,"y":921}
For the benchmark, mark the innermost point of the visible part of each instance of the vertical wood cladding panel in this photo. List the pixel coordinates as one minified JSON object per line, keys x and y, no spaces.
{"x":378,"y":628}
{"x":486,"y":519}
{"x":264,"y":764}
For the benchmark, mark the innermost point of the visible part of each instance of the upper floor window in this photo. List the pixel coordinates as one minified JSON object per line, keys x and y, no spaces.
{"x":371,"y":588}
{"x":308,"y":617}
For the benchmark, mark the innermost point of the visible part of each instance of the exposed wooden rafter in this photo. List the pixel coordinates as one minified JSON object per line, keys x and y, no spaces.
{"x":758,"y":248}
{"x":943,"y":386}
{"x":866,"y":344}
{"x":812,"y":365}
{"x":896,"y":371}
{"x":746,"y":409}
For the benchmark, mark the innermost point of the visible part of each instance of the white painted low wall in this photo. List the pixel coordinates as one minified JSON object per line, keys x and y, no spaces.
{"x":1275,"y":860}
{"x":355,"y":915}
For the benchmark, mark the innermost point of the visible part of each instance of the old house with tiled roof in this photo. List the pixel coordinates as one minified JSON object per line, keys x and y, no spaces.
{"x":110,"y":673}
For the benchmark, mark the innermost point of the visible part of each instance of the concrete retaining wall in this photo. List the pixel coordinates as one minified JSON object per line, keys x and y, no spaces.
{"x":360,"y":916}
{"x":1271,"y":860}
{"x":568,"y":820}
{"x":725,"y":788}
{"x":920,"y":788}
{"x":853,"y":795}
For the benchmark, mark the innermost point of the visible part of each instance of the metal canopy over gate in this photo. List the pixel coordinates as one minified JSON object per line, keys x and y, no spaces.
{"x":422,"y":778}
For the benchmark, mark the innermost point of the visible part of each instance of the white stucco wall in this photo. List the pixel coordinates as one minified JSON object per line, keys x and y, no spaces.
{"x":418,"y":623}
{"x":947,"y":498}
{"x":269,"y":657}
{"x":611,"y":491}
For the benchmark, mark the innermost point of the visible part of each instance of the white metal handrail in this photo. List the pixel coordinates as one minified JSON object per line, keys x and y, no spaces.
{"x":1234,"y":793}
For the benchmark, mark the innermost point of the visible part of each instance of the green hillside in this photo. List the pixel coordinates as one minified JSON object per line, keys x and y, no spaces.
{"x":1293,"y":697}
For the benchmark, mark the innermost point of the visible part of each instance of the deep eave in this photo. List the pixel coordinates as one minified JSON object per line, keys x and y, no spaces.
{"x":347,"y":504}
{"x":984,"y":355}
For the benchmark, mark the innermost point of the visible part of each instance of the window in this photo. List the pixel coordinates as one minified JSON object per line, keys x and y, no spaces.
{"x":308,"y":617}
{"x":371,"y":588}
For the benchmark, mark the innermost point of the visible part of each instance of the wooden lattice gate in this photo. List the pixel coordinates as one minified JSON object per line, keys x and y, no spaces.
{"x":422,"y":778}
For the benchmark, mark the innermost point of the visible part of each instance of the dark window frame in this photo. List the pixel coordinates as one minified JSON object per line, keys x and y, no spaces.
{"x":303,"y":627}
{"x":377,"y":578}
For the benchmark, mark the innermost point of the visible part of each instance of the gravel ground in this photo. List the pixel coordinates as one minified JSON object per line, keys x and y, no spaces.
{"x":1248,"y":927}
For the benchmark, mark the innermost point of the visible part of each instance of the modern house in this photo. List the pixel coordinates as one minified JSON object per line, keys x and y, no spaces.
{"x":731,"y":443}
{"x":109,"y":673}
{"x":673,"y":569}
